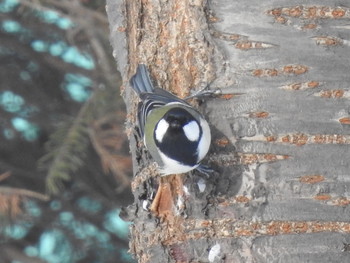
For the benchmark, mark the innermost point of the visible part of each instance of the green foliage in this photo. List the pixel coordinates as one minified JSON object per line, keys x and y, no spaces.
{"x":66,"y":150}
{"x":67,"y":146}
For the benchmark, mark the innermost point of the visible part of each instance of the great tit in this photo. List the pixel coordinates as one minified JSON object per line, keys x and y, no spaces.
{"x":176,"y":135}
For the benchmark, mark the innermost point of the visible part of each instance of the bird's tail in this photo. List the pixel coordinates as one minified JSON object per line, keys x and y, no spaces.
{"x":141,"y":81}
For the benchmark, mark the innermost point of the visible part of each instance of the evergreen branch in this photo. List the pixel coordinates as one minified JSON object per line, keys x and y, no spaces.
{"x":17,"y":191}
{"x":10,"y":205}
{"x":22,"y":192}
{"x":67,"y":148}
{"x":67,"y":157}
{"x":11,"y":198}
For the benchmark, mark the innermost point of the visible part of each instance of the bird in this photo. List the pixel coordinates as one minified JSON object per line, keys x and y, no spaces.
{"x":176,"y":135}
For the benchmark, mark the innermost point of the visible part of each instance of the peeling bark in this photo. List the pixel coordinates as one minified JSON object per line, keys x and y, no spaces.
{"x":281,"y":129}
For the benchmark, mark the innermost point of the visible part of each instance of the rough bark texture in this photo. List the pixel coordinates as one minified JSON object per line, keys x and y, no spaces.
{"x":281,"y":132}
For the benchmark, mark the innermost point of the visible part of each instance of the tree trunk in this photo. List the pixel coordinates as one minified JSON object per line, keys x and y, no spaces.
{"x":281,"y":128}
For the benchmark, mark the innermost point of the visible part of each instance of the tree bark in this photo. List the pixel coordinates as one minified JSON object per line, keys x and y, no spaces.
{"x":281,"y":128}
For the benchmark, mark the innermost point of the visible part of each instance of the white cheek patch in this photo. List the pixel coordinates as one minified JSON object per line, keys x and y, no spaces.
{"x":192,"y":131}
{"x":161,"y":130}
{"x":204,"y":143}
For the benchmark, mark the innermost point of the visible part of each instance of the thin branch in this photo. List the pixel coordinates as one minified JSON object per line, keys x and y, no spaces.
{"x":5,"y":175}
{"x":23,"y":192}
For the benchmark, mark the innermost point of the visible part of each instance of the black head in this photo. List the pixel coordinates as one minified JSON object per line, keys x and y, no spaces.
{"x":177,"y":135}
{"x":177,"y":118}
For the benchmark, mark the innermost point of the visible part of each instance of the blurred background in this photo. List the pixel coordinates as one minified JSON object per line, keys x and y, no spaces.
{"x":65,"y":168}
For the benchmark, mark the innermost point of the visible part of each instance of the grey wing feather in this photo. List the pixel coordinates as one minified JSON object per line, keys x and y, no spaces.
{"x":141,"y":81}
{"x":151,"y":97}
{"x":161,"y":96}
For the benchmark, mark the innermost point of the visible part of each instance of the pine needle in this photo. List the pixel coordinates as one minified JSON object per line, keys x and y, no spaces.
{"x":66,"y":151}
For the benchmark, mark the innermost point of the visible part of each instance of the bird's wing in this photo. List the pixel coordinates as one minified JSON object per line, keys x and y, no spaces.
{"x":150,"y":96}
{"x":150,"y":101}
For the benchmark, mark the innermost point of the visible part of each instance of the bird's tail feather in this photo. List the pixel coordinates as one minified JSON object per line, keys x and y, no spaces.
{"x":141,"y":81}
